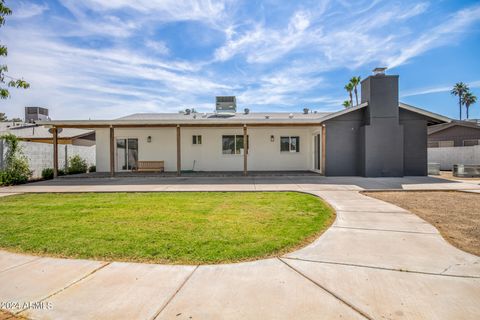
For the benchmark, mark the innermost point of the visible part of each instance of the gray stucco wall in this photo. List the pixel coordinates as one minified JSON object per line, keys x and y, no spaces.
{"x":380,"y":140}
{"x":415,"y":143}
{"x":343,"y":144}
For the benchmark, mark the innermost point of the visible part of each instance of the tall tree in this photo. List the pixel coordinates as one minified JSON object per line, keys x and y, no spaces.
{"x":3,"y":117}
{"x":468,"y":99}
{"x":458,"y":90}
{"x":346,"y":103}
{"x":355,"y":81}
{"x":349,"y":88}
{"x":12,"y":82}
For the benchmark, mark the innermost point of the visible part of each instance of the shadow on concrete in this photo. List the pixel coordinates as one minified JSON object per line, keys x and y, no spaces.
{"x":237,"y":179}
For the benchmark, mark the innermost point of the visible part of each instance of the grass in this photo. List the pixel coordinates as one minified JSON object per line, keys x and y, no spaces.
{"x":186,"y":227}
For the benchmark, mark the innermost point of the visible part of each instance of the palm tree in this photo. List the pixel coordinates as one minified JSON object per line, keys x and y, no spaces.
{"x":458,"y":90}
{"x":355,"y":81}
{"x":349,"y":88}
{"x":468,"y":99}
{"x":346,"y":103}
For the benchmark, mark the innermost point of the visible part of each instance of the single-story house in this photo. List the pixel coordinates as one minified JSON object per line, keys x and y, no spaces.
{"x":378,"y":138}
{"x":454,"y":134}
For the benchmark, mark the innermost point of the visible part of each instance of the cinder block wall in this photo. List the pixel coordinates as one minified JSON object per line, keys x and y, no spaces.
{"x":449,"y":156}
{"x":40,"y":155}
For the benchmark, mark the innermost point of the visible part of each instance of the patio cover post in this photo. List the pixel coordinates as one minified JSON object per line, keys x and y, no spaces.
{"x":245,"y":149}
{"x":112,"y":151}
{"x":179,"y":153}
{"x":55,"y":151}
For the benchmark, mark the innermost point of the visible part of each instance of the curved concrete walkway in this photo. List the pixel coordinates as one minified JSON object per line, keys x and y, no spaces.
{"x":377,"y":261}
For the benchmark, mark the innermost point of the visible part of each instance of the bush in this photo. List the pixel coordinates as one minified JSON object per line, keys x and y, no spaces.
{"x":47,"y":173}
{"x":77,"y":165}
{"x":92,"y":168}
{"x":16,"y":169}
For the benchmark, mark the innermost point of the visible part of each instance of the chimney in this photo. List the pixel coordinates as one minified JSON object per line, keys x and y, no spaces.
{"x":382,"y":134}
{"x":381,"y":93}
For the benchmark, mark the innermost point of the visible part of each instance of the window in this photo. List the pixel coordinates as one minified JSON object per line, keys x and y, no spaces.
{"x":290,"y":144}
{"x":443,"y":144}
{"x":233,"y":144}
{"x":471,"y":142}
{"x":197,"y":139}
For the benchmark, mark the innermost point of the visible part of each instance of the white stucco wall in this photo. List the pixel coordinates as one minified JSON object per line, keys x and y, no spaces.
{"x":263,"y":154}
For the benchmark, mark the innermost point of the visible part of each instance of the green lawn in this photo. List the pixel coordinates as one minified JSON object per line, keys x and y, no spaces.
{"x":189,"y":227}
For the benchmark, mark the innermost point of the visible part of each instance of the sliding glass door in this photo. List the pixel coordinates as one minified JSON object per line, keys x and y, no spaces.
{"x":127,"y":154}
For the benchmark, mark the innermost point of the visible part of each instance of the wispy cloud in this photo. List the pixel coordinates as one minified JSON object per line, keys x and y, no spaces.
{"x":100,"y":58}
{"x":436,"y":89}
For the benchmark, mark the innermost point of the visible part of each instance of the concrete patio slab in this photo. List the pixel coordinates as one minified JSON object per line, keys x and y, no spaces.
{"x":41,"y":278}
{"x":384,"y":294}
{"x":395,"y":221}
{"x":416,"y":252}
{"x":266,"y":289}
{"x":355,"y":201}
{"x":10,"y":260}
{"x":118,"y":291}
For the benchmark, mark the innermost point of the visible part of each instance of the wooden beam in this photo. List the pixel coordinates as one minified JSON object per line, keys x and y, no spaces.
{"x":55,"y":152}
{"x":179,"y":152}
{"x":245,"y":150}
{"x":112,"y":151}
{"x":324,"y":148}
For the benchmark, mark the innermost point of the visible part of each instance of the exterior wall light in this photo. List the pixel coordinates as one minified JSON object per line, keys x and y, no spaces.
{"x":272,"y":138}
{"x":149,"y":139}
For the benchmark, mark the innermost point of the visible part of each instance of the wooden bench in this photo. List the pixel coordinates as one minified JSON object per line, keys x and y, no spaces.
{"x":151,"y":166}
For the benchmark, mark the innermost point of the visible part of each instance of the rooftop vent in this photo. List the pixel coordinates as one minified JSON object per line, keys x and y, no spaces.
{"x":226,"y":105}
{"x":379,"y":71}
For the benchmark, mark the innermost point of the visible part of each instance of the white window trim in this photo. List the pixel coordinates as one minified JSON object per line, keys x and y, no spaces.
{"x":289,"y":145}
{"x":234,"y":145}
{"x":197,"y":135}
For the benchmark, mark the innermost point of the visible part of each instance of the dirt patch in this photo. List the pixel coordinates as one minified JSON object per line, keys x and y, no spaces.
{"x":455,"y":214}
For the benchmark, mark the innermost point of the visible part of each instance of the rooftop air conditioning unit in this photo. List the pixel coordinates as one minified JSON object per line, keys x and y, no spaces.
{"x":226,"y":105}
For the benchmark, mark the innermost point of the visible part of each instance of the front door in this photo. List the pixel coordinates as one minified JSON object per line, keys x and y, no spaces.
{"x":127,"y":154}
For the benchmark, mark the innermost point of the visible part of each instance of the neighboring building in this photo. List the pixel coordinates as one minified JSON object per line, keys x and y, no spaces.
{"x":457,"y":142}
{"x":33,"y":114}
{"x":379,"y":138}
{"x":454,"y":134}
{"x":36,"y":143}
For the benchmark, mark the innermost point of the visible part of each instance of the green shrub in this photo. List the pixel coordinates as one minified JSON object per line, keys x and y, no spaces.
{"x":16,"y":168}
{"x":47,"y":173}
{"x":61,"y":172}
{"x":77,"y":165}
{"x":92,"y":168}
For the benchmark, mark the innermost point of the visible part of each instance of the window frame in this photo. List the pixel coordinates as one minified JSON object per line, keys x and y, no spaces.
{"x":197,"y":139}
{"x":477,"y":140}
{"x":235,"y":140}
{"x":296,"y":149}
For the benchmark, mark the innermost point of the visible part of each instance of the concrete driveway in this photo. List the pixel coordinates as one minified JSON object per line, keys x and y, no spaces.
{"x":377,"y":261}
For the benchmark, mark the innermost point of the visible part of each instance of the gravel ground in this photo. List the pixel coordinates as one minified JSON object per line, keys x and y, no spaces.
{"x":455,"y":214}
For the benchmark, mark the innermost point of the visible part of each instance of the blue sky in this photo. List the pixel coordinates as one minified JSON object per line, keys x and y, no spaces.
{"x":108,"y":58}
